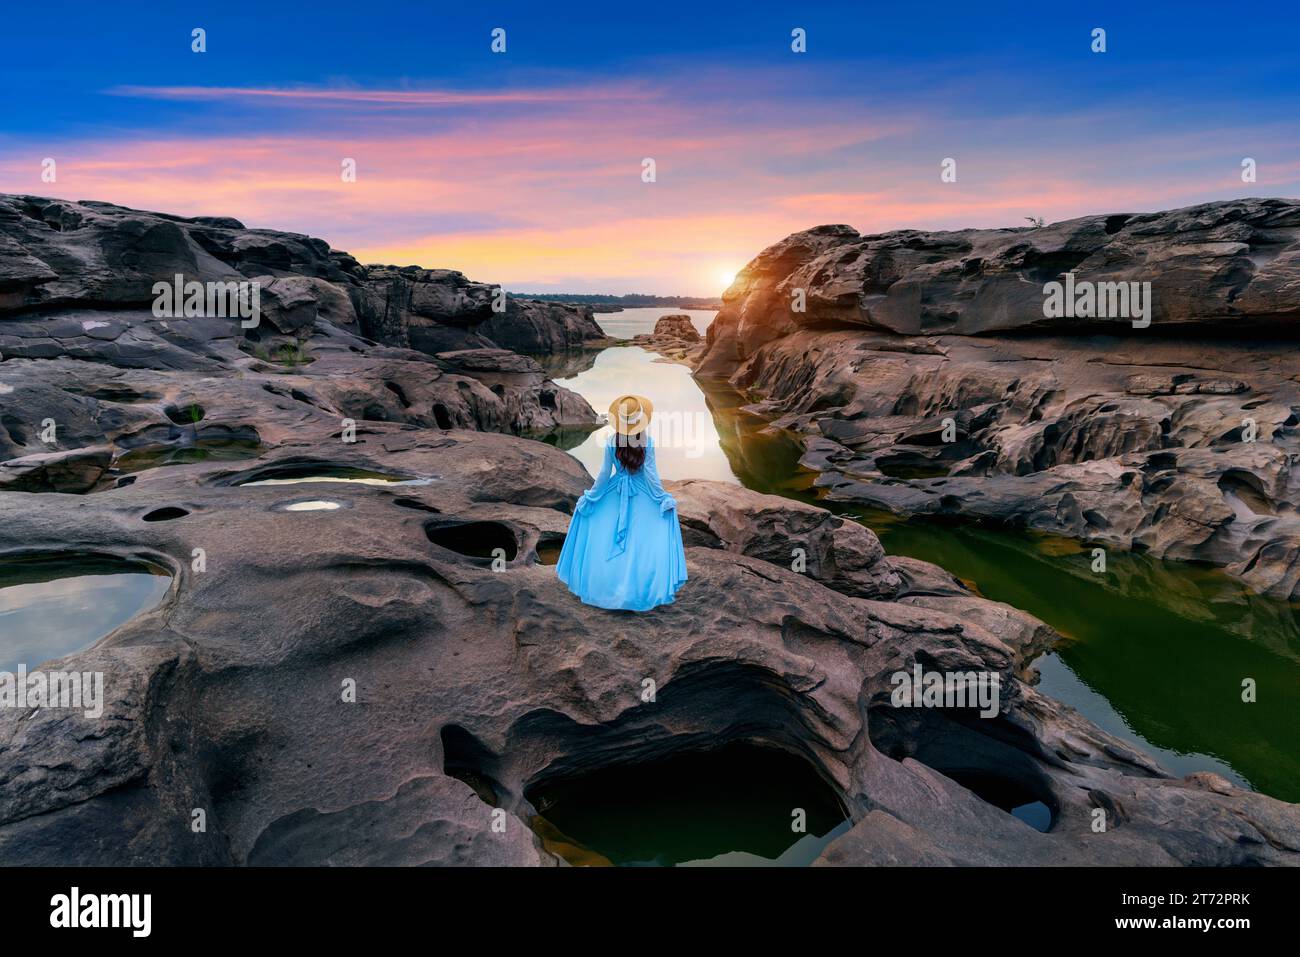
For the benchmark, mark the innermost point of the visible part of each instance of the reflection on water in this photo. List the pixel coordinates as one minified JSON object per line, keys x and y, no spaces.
{"x":314,"y":479}
{"x":345,"y":476}
{"x":686,"y":440}
{"x":317,"y":505}
{"x":1156,"y":651}
{"x":202,"y":450}
{"x":635,"y":322}
{"x":51,"y":608}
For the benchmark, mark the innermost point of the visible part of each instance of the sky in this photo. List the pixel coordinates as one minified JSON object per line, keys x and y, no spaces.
{"x":525,"y":168}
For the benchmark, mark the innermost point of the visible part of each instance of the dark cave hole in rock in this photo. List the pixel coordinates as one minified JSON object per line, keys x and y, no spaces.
{"x":1095,"y":519}
{"x":1160,"y":461}
{"x":165,"y":514}
{"x":440,"y":416}
{"x":466,"y":759}
{"x":58,"y":604}
{"x":931,"y":437}
{"x":1007,"y":794}
{"x":126,"y":480}
{"x":910,"y":466}
{"x":1043,"y":267}
{"x":1247,"y":488}
{"x":549,"y":546}
{"x":546,"y":400}
{"x":735,"y":804}
{"x":988,"y":756}
{"x":478,"y":540}
{"x":396,"y":389}
{"x":184,"y":413}
{"x":1115,"y":223}
{"x":13,"y":426}
{"x":417,"y":505}
{"x":114,"y":393}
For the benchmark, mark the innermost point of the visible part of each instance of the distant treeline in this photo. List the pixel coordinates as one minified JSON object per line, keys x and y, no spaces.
{"x":630,"y":301}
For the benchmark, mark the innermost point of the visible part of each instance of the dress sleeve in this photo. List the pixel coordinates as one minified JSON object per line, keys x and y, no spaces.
{"x":666,"y":502}
{"x":602,"y":479}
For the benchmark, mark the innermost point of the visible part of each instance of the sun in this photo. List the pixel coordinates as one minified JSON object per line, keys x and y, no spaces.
{"x":727,"y":277}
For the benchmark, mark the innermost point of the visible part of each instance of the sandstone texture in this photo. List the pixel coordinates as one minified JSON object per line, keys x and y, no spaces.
{"x":473,"y":685}
{"x":381,"y":681}
{"x":56,"y":254}
{"x":925,"y":379}
{"x":675,"y":338}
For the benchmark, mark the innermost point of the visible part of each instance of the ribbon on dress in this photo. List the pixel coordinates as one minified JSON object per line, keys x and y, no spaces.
{"x":626,"y":489}
{"x":625,"y":493}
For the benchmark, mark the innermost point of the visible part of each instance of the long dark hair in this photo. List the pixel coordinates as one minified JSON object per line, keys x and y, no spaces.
{"x":630,"y":450}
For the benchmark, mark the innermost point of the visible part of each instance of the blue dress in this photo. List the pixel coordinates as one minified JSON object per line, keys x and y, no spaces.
{"x":624,"y":547}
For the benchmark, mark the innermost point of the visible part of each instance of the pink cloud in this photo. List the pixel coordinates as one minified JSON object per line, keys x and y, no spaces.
{"x":555,"y":196}
{"x":297,"y":96}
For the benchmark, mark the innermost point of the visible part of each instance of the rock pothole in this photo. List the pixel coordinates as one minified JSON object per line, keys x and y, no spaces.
{"x":483,"y":541}
{"x":301,"y":475}
{"x":211,"y":444}
{"x":184,"y":413}
{"x":165,"y":514}
{"x":310,"y":505}
{"x":987,"y":756}
{"x":466,"y":759}
{"x":549,"y":546}
{"x":740,"y":804}
{"x":59,"y":604}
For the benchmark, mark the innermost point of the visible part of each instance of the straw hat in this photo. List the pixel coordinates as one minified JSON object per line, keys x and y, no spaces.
{"x":630,"y":414}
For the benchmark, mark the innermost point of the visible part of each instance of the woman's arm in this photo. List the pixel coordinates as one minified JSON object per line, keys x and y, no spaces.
{"x":666,"y":502}
{"x":602,"y":477}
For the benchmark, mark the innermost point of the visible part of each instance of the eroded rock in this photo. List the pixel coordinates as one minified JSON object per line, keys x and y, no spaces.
{"x":911,"y":397}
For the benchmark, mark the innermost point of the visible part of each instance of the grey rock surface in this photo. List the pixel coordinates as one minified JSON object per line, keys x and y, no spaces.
{"x":386,"y":681}
{"x":924,"y":378}
{"x":58,"y":254}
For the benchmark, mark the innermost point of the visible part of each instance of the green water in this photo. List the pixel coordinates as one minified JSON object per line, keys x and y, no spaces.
{"x":202,"y":450}
{"x":1155,"y":652}
{"x":735,"y":805}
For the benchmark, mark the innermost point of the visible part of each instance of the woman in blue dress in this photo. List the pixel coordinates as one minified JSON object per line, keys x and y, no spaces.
{"x":624,"y":546}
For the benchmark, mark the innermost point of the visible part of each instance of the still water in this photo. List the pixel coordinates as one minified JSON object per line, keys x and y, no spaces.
{"x":683,"y":429}
{"x":53,"y":607}
{"x":695,"y":808}
{"x":1154,"y":652}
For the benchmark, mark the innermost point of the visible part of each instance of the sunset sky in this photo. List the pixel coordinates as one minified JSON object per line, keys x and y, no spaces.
{"x":524,"y":168}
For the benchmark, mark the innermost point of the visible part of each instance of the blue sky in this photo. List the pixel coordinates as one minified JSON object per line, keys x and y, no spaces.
{"x":524,"y":168}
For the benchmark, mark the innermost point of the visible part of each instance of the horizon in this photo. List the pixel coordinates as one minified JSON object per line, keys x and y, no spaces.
{"x":515,"y":170}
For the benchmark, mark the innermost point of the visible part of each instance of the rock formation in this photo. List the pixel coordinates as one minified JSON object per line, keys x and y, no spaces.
{"x":473,"y":685}
{"x":675,"y":338}
{"x":83,"y":349}
{"x":62,"y":255}
{"x":369,"y":682}
{"x":926,"y":379}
